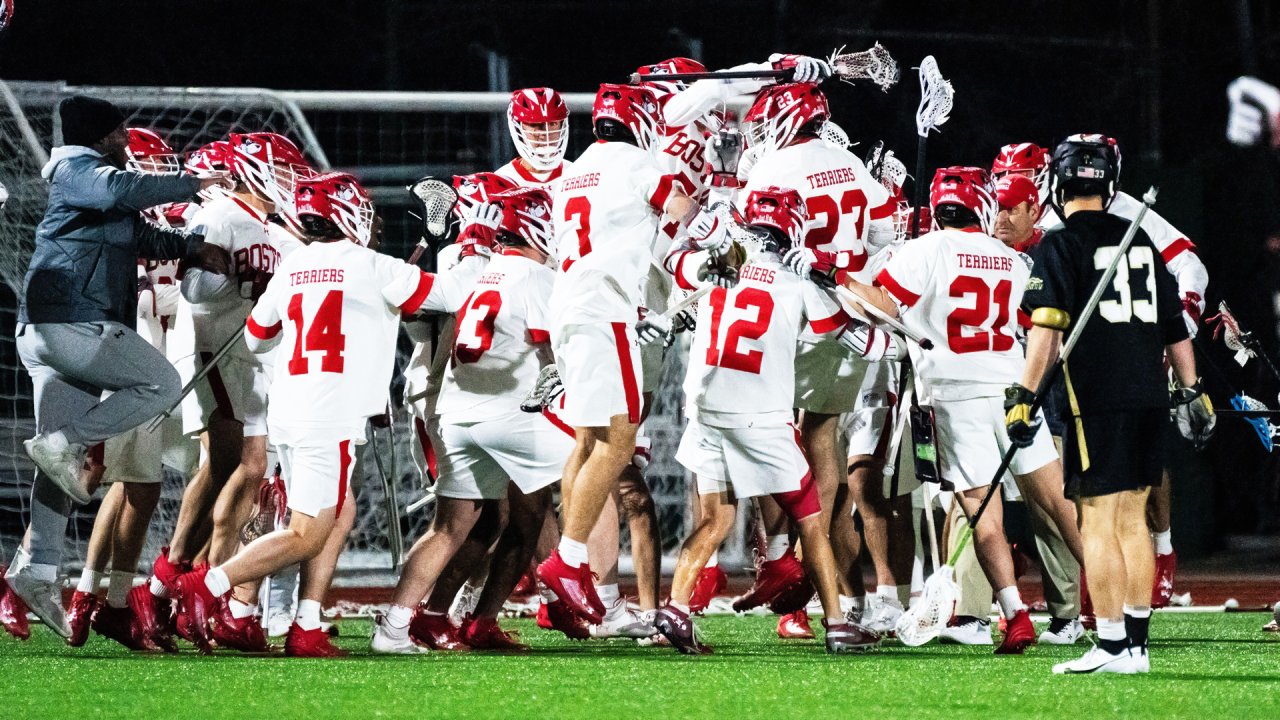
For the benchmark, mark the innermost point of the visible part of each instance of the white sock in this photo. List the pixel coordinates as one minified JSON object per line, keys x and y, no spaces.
{"x":90,"y":581}
{"x":241,"y":610}
{"x":158,"y":589}
{"x":396,"y":622}
{"x":1010,"y":601}
{"x":682,"y":608}
{"x":308,"y":617}
{"x":608,"y":594}
{"x":217,"y":582}
{"x":903,"y":593}
{"x":715,"y":560}
{"x":776,"y":546}
{"x":118,"y":588}
{"x":1163,"y":542}
{"x":572,"y":552}
{"x":917,"y":575}
{"x":1111,"y":629}
{"x":48,"y":573}
{"x":888,"y":592}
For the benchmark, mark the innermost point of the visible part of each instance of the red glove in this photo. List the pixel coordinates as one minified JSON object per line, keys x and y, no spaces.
{"x":1191,"y":305}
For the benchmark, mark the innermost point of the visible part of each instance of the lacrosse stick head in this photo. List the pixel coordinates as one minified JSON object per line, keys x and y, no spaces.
{"x":927,"y":618}
{"x":437,"y":199}
{"x":887,"y":168}
{"x":781,"y":209}
{"x":936,"y":96}
{"x":875,"y":64}
{"x":1266,"y":431}
{"x":1236,"y":338}
{"x":538,"y":121}
{"x":969,"y":188}
{"x":835,"y":135}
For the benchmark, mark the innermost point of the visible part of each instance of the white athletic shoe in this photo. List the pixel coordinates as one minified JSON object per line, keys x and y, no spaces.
{"x":383,"y":642}
{"x":974,"y":632}
{"x":1068,"y":634}
{"x":44,"y":598}
{"x":1143,"y":659}
{"x":881,"y":615}
{"x":1127,"y":662}
{"x":465,"y":603}
{"x":62,"y":465}
{"x":278,"y":624}
{"x":621,"y":621}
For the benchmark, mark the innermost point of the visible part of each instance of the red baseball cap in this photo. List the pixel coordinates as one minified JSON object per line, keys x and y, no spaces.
{"x":1012,"y":190}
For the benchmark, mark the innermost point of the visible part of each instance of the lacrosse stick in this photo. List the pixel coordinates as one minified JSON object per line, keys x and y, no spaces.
{"x":1248,"y":409}
{"x":390,"y":502}
{"x":208,"y":367}
{"x":870,"y":310}
{"x":936,"y":96}
{"x":1255,"y":413}
{"x":835,"y":135}
{"x":437,"y":198}
{"x":427,"y":498}
{"x":874,"y":64}
{"x":1240,"y":340}
{"x":925,"y":620}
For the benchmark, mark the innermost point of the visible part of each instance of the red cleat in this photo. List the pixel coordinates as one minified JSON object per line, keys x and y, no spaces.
{"x":711,"y":582}
{"x":13,"y":611}
{"x":196,"y":608}
{"x":793,"y":599}
{"x":772,"y":577}
{"x":310,"y":643}
{"x":167,"y":572}
{"x":1162,"y":588}
{"x":484,"y":634}
{"x":434,"y":630}
{"x":152,"y":616}
{"x":243,"y":634}
{"x":527,"y":586}
{"x":1020,"y":635}
{"x":574,"y":586}
{"x":557,"y":616}
{"x":80,"y":616}
{"x":118,"y":624}
{"x":795,"y":625}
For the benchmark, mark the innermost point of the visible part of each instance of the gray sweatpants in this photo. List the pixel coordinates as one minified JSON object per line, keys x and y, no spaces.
{"x":71,"y":366}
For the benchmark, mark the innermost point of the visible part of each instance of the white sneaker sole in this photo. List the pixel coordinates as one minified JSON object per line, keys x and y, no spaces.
{"x":49,"y":463}
{"x":387,"y":648}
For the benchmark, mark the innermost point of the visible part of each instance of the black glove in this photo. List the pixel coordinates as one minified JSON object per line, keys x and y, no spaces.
{"x":1194,"y":414}
{"x":1017,"y":419}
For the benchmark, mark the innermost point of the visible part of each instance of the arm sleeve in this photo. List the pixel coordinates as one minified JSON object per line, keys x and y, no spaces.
{"x":908,"y":273}
{"x":1178,"y":252}
{"x":704,"y":95}
{"x":822,"y":313}
{"x":106,"y":188}
{"x":683,"y":263}
{"x":262,"y":331}
{"x":412,"y":290}
{"x":157,"y":243}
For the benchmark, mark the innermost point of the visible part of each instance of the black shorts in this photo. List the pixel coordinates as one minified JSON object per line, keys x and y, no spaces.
{"x":1115,"y":452}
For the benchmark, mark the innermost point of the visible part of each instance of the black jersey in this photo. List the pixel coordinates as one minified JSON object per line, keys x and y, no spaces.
{"x":1118,"y":363}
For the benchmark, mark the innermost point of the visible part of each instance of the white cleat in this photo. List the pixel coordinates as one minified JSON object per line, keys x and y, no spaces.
{"x":975,"y":632}
{"x":881,"y":615}
{"x":42,"y":597}
{"x":1069,"y":634}
{"x":1129,"y":661}
{"x":621,"y":621}
{"x":383,"y":642}
{"x":278,"y":624}
{"x":62,"y":465}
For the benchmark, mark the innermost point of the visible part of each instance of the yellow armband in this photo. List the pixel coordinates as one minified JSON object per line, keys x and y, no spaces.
{"x":1051,"y":318}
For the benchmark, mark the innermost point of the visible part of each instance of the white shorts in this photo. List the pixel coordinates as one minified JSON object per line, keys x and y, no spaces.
{"x":829,"y":377}
{"x":600,"y":368}
{"x":972,"y":441}
{"x":753,"y":460}
{"x":317,"y":476}
{"x":479,"y":458}
{"x":237,"y":386}
{"x":868,"y":427}
{"x":134,"y":456}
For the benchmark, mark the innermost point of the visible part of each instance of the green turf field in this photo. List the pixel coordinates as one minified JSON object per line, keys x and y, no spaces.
{"x":1203,"y":666}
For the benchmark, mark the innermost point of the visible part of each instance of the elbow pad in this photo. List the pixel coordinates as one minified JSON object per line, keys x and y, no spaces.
{"x":1051,"y":318}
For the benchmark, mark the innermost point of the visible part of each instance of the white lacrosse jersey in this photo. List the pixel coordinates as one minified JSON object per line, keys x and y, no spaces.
{"x":681,"y":153}
{"x":851,"y":211}
{"x":336,"y":307}
{"x":742,"y":362}
{"x":961,"y":289}
{"x":254,"y":245}
{"x":1178,"y":252}
{"x":606,"y":224}
{"x":516,"y":172}
{"x":494,"y":361}
{"x":158,"y":305}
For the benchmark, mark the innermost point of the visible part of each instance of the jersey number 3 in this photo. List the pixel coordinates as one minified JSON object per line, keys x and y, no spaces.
{"x":324,"y":335}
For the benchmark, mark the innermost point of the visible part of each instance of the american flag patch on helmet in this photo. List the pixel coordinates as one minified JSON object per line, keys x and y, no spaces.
{"x":1089,"y":172}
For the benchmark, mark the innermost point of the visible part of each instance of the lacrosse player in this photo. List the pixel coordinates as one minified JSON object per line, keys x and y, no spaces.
{"x":1117,"y":390}
{"x":960,"y":287}
{"x":538,"y":121}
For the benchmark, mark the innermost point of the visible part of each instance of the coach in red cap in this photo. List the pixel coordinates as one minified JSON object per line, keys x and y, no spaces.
{"x":1019,"y":201}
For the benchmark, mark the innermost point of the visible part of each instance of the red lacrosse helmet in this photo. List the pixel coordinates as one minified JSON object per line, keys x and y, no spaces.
{"x":779,"y":111}
{"x":214,"y":157}
{"x":148,"y":153}
{"x":338,"y":198}
{"x":1027,"y":159}
{"x":271,"y":165}
{"x":968,"y":187}
{"x":635,"y":107}
{"x":651,"y":75}
{"x":1013,"y":190}
{"x":778,"y":208}
{"x":543,"y":145}
{"x":526,"y":213}
{"x":479,"y":188}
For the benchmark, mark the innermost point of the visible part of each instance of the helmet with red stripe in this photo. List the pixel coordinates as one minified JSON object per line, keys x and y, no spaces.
{"x":526,"y":214}
{"x":271,"y":165}
{"x":539,"y":123}
{"x":957,"y":192}
{"x":780,"y":112}
{"x":148,"y":153}
{"x":781,"y":209}
{"x":478,"y":188}
{"x":651,"y":75}
{"x":1027,"y":159}
{"x":622,"y":110}
{"x":337,"y":198}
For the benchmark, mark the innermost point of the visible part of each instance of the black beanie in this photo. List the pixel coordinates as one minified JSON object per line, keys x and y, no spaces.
{"x":87,"y":120}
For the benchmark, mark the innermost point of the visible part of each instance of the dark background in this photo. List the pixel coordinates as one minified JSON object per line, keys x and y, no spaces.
{"x":1151,"y":73}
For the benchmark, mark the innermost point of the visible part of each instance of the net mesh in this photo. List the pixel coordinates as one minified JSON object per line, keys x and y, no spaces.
{"x":936,"y":96}
{"x":924,"y":620}
{"x":438,"y":199}
{"x":874,"y":64}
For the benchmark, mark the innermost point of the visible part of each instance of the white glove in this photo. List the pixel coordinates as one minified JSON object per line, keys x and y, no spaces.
{"x":652,"y":328}
{"x":807,"y":69}
{"x":487,"y":214}
{"x":874,"y":344}
{"x":799,"y":260}
{"x":719,"y":274}
{"x":1255,"y":107}
{"x":710,"y":232}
